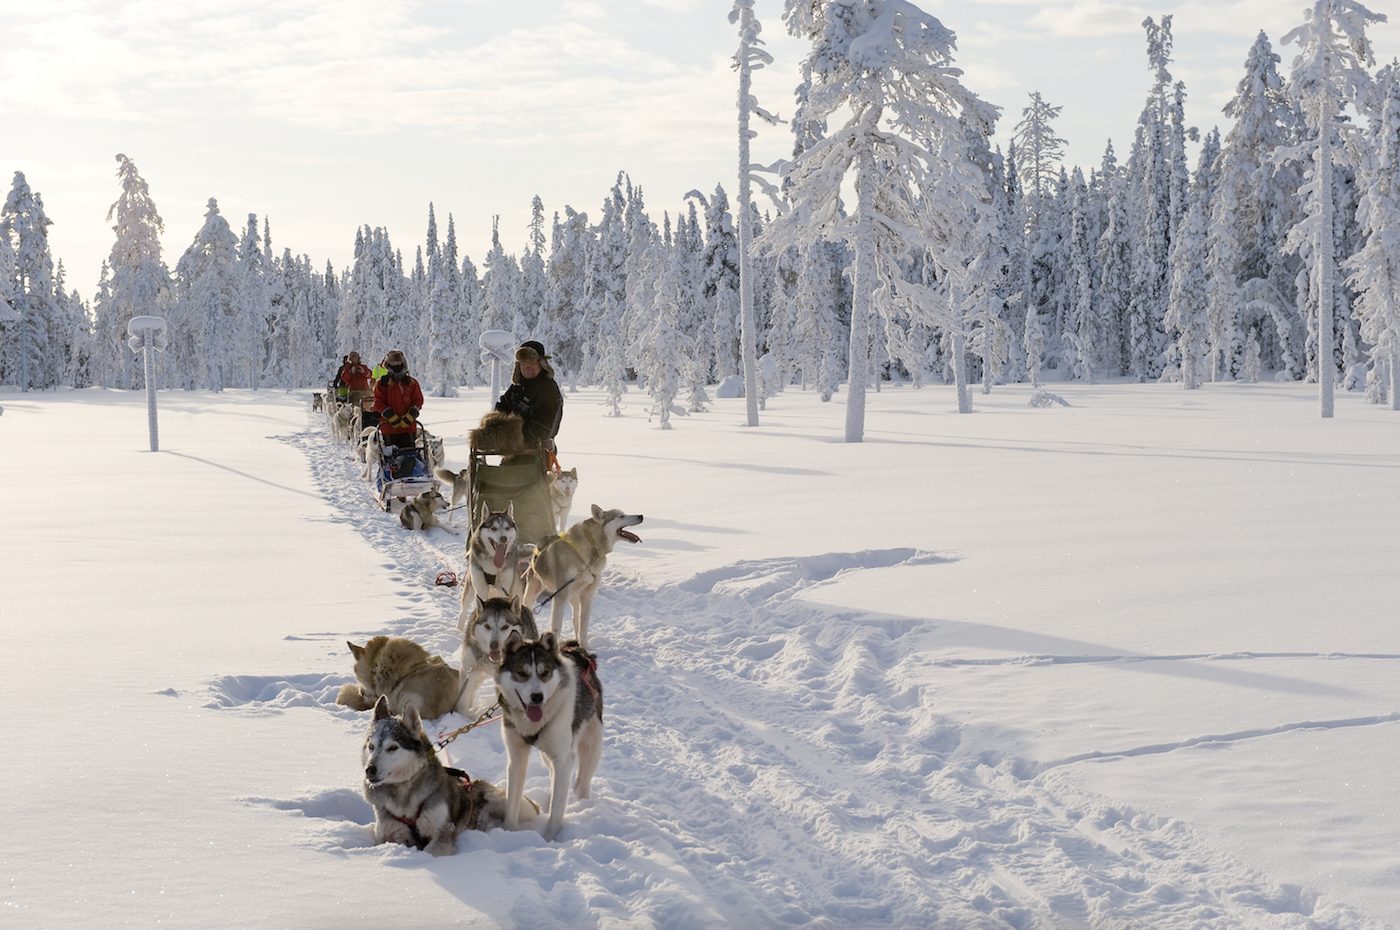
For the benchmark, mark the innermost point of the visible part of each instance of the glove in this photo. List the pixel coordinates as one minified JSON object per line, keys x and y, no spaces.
{"x":522,"y":406}
{"x":413,"y":412}
{"x":391,"y":418}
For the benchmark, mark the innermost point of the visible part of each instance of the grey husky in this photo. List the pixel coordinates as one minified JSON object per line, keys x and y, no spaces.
{"x":562,"y":487}
{"x":493,"y":559}
{"x":421,"y":512}
{"x":416,"y":800}
{"x":552,"y":700}
{"x":570,"y":565}
{"x":459,"y":481}
{"x":492,"y":624}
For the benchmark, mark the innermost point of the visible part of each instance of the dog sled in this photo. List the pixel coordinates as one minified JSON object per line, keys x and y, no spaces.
{"x":521,"y":479}
{"x":404,"y":472}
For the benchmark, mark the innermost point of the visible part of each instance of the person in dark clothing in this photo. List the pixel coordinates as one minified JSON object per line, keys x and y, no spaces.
{"x":534,"y":395}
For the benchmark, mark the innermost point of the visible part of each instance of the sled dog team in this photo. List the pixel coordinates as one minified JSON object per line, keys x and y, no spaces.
{"x":547,"y":689}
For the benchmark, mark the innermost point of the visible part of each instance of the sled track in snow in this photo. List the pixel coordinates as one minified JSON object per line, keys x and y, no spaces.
{"x":770,"y":763}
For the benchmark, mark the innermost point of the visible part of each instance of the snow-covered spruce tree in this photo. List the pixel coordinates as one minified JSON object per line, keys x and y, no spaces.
{"x":441,"y":304}
{"x":660,"y":351}
{"x":1042,"y":282}
{"x":251,"y":311}
{"x":138,"y":279}
{"x":996,"y":268}
{"x":469,"y":334}
{"x":32,"y":358}
{"x":1151,"y":178}
{"x":1187,"y":304}
{"x":889,"y":65}
{"x":1040,"y":152}
{"x":566,"y":294}
{"x":207,"y":287}
{"x":1113,"y":286}
{"x":749,"y":58}
{"x":1251,"y":216}
{"x":1082,"y":338}
{"x":641,"y":266}
{"x":721,"y":282}
{"x":533,"y":281}
{"x":694,"y":314}
{"x":1329,"y":73}
{"x":1374,"y":271}
{"x":350,"y":312}
{"x":1013,"y":211}
{"x":607,"y":298}
{"x":71,"y":333}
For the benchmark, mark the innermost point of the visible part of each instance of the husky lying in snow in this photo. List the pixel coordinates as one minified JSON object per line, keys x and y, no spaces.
{"x":492,"y":624}
{"x":403,"y":672}
{"x":551,"y":700}
{"x":421,"y":512}
{"x":569,"y":566}
{"x":416,"y":801}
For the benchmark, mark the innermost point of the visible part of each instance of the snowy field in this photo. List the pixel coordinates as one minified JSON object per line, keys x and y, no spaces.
{"x":1127,"y":663}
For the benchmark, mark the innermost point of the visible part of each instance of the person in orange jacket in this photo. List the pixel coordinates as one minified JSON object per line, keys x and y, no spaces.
{"x":398,"y":398}
{"x":354,"y":375}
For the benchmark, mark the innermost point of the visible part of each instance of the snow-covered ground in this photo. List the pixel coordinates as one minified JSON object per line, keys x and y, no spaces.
{"x":1127,"y":663}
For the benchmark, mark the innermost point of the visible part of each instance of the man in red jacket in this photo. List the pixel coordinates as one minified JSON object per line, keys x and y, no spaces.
{"x":398,"y":398}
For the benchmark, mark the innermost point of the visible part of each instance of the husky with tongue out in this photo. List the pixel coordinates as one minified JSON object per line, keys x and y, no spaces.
{"x":493,"y":561}
{"x":551,"y":700}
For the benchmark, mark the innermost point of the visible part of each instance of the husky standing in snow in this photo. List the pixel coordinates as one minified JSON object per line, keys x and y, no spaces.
{"x":570,"y":565}
{"x":562,"y":487}
{"x":552,"y":700}
{"x":493,"y":560}
{"x":416,"y":800}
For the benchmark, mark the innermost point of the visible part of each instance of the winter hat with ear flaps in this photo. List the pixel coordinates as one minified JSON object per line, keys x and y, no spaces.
{"x":533,"y":350}
{"x":394,"y":359}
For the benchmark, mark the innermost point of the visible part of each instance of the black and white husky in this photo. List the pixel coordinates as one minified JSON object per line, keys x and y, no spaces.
{"x":551,"y":700}
{"x":492,"y":624}
{"x":416,"y":800}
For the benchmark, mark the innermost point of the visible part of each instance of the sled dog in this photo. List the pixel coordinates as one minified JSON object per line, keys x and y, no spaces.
{"x":416,"y":800}
{"x":433,"y":445}
{"x":492,"y":624}
{"x":562,"y":487}
{"x":421,"y":512}
{"x":403,"y":672}
{"x":370,"y":450}
{"x":568,"y":567}
{"x":457,"y":480}
{"x":493,"y":559}
{"x":551,"y":699}
{"x":317,"y":401}
{"x":343,"y":423}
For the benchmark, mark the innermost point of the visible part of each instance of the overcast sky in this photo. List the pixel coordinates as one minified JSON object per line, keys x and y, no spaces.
{"x":323,"y":115}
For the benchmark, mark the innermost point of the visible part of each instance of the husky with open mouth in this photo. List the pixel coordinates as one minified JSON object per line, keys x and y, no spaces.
{"x":552,"y":701}
{"x":492,"y":624}
{"x":493,"y":560}
{"x":569,"y":566}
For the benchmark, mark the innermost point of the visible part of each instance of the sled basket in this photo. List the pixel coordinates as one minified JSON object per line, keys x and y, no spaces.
{"x":518,"y":479}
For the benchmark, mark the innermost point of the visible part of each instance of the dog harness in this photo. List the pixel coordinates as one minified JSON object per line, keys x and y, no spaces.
{"x":419,"y":840}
